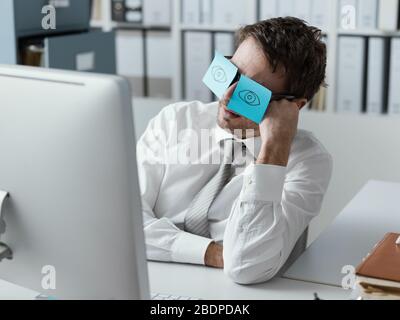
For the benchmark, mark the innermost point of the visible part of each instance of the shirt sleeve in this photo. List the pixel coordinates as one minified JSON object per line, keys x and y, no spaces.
{"x":274,"y":208}
{"x":164,"y":241}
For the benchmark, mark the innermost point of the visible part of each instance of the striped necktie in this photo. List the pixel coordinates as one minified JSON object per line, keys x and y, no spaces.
{"x":196,"y":219}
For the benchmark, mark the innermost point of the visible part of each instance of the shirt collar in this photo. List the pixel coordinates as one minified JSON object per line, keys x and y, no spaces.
{"x":253,"y":145}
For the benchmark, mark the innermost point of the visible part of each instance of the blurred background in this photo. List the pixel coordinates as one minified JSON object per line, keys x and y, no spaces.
{"x":163,"y":47}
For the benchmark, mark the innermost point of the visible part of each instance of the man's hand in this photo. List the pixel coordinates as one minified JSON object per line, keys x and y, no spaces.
{"x":277,"y":132}
{"x":213,"y":257}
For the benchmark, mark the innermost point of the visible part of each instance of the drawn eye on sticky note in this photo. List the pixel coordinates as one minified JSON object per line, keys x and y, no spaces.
{"x":250,"y":99}
{"x":220,"y":75}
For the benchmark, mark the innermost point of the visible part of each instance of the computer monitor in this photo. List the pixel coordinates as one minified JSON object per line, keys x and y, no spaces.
{"x":67,"y":160}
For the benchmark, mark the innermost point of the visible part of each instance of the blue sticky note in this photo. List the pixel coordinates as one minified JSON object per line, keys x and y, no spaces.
{"x":250,"y":99}
{"x":220,"y":75}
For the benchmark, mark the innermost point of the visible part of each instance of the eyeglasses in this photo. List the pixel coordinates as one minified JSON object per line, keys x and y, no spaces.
{"x":274,"y":97}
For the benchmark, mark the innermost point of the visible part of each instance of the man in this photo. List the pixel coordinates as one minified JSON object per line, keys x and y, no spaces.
{"x":248,"y":221}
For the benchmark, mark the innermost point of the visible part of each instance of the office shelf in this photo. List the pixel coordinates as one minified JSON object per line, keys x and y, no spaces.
{"x":71,"y":45}
{"x":369,"y":33}
{"x":135,"y":26}
{"x":96,"y":24}
{"x":178,"y":28}
{"x":212,"y":28}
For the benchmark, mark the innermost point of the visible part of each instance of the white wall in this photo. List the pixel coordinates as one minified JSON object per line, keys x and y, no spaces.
{"x":363,"y":148}
{"x":144,"y":109}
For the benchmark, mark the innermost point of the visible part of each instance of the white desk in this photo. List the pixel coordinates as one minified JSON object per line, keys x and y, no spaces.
{"x":207,"y":283}
{"x":9,"y":291}
{"x":372,"y":213}
{"x":212,"y":284}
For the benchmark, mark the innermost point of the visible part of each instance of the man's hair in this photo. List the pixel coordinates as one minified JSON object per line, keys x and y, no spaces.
{"x":298,"y":47}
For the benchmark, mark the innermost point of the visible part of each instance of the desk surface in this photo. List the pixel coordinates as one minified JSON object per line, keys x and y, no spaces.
{"x":372,"y":213}
{"x":9,"y":291}
{"x":212,"y":284}
{"x":207,"y":283}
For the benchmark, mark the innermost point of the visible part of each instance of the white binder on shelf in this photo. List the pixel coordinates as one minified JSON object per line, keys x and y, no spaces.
{"x":347,"y":14}
{"x":197,"y":58}
{"x":190,"y":12}
{"x":228,"y":13}
{"x":367,"y":14}
{"x":351,"y":74}
{"x":302,"y":10}
{"x":388,"y":19}
{"x":157,"y":13}
{"x":394,"y":92}
{"x":206,"y":16}
{"x":224,"y":43}
{"x":268,"y":9}
{"x":320,"y":14}
{"x":130,"y":59}
{"x":96,"y":10}
{"x":159,"y":69}
{"x":376,"y":75}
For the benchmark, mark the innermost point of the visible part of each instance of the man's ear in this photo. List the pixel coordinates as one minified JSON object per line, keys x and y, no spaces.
{"x":300,"y":102}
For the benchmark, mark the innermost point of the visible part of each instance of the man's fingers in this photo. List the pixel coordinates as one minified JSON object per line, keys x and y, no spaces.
{"x":228,"y":94}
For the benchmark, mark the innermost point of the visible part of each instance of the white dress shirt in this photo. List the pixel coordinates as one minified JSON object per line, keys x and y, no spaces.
{"x":258,"y":216}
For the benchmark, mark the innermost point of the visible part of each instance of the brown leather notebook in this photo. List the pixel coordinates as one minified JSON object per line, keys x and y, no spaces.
{"x":384,"y":260}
